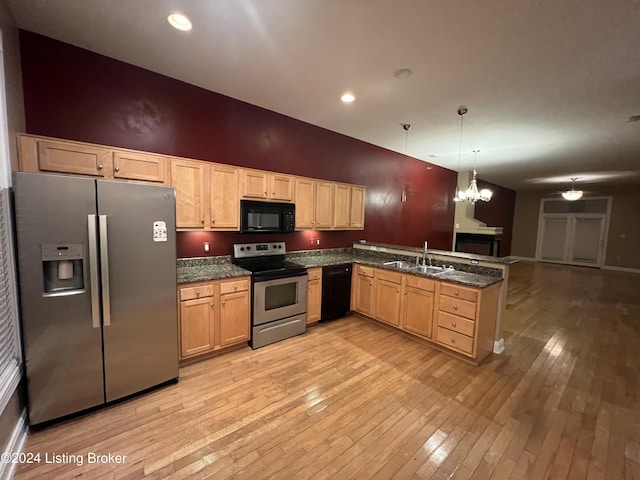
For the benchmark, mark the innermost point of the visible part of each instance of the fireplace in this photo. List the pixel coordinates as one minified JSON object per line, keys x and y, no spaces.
{"x":478,"y":243}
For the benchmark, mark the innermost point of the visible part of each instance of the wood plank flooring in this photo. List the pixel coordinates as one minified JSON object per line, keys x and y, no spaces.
{"x":351,"y":399}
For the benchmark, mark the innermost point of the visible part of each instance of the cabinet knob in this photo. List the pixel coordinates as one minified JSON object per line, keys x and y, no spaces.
{"x":211,"y":304}
{"x":455,"y":307}
{"x":213,"y":220}
{"x":197,"y":293}
{"x":202,"y":221}
{"x":370,"y":282}
{"x":455,"y":293}
{"x":397,"y":290}
{"x":223,"y":302}
{"x":453,"y":324}
{"x":453,"y":340}
{"x":117,"y":169}
{"x":100,"y":167}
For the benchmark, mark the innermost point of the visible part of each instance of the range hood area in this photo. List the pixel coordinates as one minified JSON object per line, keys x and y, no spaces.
{"x":470,"y":235}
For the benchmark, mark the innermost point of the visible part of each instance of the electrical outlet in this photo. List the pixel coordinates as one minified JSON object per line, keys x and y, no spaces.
{"x":206,"y":246}
{"x":317,"y":241}
{"x":312,"y":242}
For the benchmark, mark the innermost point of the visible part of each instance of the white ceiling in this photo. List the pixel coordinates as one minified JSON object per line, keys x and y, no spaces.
{"x":550,"y":86}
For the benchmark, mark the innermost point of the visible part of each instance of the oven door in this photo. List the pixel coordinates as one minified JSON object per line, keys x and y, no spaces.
{"x":279,"y":298}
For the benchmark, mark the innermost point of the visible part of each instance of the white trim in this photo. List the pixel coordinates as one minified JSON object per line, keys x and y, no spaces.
{"x":525,"y":259}
{"x":498,"y":346}
{"x":621,"y":269}
{"x":16,"y":442}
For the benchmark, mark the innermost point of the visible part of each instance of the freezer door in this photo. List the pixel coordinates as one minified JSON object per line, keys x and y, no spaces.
{"x":138,"y":253}
{"x":62,"y":342}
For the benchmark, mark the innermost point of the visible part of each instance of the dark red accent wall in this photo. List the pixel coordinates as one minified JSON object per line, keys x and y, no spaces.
{"x":76,"y":94}
{"x":498,"y":212}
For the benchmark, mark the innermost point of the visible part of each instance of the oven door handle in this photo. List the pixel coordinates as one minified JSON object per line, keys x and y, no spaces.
{"x":278,"y":276}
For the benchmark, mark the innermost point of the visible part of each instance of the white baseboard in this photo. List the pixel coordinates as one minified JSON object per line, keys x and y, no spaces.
{"x":621,"y":269}
{"x":16,"y":442}
{"x":525,"y":259}
{"x":498,"y":346}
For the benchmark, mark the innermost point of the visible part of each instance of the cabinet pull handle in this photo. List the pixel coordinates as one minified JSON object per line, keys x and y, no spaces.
{"x":117,"y":169}
{"x":100,"y":167}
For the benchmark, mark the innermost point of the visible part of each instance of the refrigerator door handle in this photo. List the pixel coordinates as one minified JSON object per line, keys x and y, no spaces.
{"x":104,"y":269}
{"x":93,"y":268}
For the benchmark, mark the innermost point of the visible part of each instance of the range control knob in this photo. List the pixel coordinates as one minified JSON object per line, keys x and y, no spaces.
{"x":242,"y":249}
{"x":249,"y":248}
{"x":274,"y":246}
{"x":280,"y":246}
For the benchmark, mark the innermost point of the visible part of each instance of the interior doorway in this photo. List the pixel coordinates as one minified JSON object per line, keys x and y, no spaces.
{"x":573,"y":233}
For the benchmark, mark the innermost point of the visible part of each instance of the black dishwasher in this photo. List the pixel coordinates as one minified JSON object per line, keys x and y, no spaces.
{"x":336,"y":291}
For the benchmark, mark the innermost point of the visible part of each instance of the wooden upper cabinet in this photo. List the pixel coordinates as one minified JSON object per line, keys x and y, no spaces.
{"x":305,"y":203}
{"x":266,"y":186}
{"x":188,"y":179}
{"x":341,"y":206}
{"x":224,"y":198}
{"x":357,"y":208}
{"x":139,"y":166}
{"x":63,"y":157}
{"x":324,"y":205}
{"x":281,"y":187}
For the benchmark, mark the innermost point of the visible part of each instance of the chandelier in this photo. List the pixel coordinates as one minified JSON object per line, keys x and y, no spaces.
{"x":573,"y":194}
{"x":472,"y":194}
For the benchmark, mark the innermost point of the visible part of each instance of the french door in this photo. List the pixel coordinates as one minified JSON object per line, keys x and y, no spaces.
{"x":575,"y":238}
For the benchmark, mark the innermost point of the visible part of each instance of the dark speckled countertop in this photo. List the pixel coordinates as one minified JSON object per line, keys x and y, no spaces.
{"x":208,"y":268}
{"x":216,"y":268}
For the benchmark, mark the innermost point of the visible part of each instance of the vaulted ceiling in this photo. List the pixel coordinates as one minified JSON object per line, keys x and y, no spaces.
{"x":551,"y":87}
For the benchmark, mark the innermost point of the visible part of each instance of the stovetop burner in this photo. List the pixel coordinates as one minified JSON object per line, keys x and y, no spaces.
{"x":265,"y":260}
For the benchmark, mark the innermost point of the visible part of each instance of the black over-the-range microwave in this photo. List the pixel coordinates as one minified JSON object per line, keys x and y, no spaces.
{"x":268,"y":217}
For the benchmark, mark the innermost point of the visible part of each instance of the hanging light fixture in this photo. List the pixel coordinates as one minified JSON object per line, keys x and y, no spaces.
{"x":405,"y":127}
{"x":573,"y":194}
{"x":471,"y":194}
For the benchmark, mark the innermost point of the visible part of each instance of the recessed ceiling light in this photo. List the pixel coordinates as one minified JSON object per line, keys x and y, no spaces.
{"x":402,"y":73}
{"x":347,"y":98}
{"x":179,"y":21}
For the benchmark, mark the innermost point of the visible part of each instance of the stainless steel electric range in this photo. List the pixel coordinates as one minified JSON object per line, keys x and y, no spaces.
{"x":279,"y":303}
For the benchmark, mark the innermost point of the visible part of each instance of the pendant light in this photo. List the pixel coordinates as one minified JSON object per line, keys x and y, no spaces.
{"x":461,"y":111}
{"x":573,"y":194}
{"x":405,"y":127}
{"x":471,"y":194}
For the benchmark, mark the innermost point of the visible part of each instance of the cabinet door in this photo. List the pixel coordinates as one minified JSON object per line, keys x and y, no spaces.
{"x":387,"y":301}
{"x":305,"y":203}
{"x":324,"y":205}
{"x":138,"y":166}
{"x":341,"y":206}
{"x":188,"y":179}
{"x":196,"y":326}
{"x":417,"y":311}
{"x":357,"y":208}
{"x":314,"y":295}
{"x":254,"y":184}
{"x":71,"y":158}
{"x":363,"y":299}
{"x":281,"y":187}
{"x":224,"y":197}
{"x":234,"y":318}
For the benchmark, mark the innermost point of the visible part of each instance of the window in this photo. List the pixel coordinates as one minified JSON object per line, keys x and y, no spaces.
{"x":10,"y":353}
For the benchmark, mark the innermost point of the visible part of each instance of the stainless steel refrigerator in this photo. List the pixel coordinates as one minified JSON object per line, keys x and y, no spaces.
{"x":97,"y":276}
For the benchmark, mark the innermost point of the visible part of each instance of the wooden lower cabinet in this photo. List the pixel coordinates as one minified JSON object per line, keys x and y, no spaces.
{"x":362,"y":290}
{"x":387,"y":296}
{"x":417,"y":305}
{"x":314,"y":294}
{"x":213,"y":315}
{"x":460,"y":318}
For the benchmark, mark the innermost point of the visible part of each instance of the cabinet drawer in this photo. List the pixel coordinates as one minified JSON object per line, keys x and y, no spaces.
{"x":455,"y":340}
{"x":365,"y":271}
{"x":234,"y":286}
{"x":421,"y":283}
{"x":393,"y":277}
{"x":314,"y":273}
{"x":457,"y":307}
{"x":458,"y":292}
{"x":190,"y":293}
{"x":455,"y":323}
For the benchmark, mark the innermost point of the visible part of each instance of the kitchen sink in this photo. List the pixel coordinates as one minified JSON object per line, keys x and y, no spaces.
{"x":400,"y":265}
{"x":431,"y":269}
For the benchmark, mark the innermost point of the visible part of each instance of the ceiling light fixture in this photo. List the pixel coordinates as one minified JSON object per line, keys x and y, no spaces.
{"x":179,"y":22}
{"x":402,"y":73}
{"x":347,"y":98}
{"x":573,"y":194}
{"x":471,"y":194}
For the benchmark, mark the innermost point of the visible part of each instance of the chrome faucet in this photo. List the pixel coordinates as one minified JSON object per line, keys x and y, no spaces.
{"x":424,"y":254}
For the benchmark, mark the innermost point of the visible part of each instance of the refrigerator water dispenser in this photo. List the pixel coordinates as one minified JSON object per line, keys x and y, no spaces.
{"x":62,"y":269}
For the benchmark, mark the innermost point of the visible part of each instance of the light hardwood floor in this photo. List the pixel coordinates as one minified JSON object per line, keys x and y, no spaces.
{"x":351,"y":399}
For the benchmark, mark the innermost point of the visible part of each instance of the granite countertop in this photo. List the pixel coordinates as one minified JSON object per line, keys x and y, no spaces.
{"x":208,"y":268}
{"x":316,"y":259}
